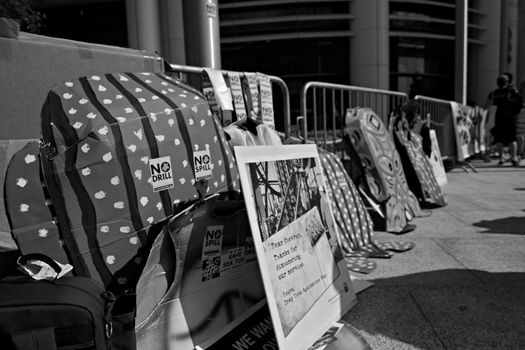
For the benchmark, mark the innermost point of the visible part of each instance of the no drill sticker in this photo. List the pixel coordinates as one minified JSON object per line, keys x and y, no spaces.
{"x":161,"y":173}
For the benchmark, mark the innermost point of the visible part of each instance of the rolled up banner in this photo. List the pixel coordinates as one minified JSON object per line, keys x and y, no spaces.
{"x":251,"y":91}
{"x":266,"y":100}
{"x":234,"y":79}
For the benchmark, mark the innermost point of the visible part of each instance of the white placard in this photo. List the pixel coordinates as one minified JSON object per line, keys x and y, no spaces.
{"x":307,"y":284}
{"x":436,"y":161}
{"x":462,"y":121}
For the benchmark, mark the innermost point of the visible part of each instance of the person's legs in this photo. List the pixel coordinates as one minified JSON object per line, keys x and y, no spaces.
{"x":499,"y":150}
{"x":514,"y":153}
{"x":521,"y":146}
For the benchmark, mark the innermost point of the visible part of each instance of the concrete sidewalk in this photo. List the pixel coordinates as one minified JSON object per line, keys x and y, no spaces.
{"x":463,"y":285}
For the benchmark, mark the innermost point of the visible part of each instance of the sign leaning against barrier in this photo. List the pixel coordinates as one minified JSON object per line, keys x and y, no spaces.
{"x":307,"y":284}
{"x":462,"y":121}
{"x":273,"y":80}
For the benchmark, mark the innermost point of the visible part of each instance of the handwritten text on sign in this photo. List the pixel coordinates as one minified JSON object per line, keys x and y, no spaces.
{"x":299,"y":260}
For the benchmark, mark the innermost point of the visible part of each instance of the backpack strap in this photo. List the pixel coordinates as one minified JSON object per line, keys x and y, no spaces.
{"x":35,"y":339}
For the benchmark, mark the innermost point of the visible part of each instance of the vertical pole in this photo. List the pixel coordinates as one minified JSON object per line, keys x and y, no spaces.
{"x":461,"y":59}
{"x":148,"y":27}
{"x":369,"y":48}
{"x":201,"y":29}
{"x":521,"y":47}
{"x":175,"y":35}
{"x":131,"y":22}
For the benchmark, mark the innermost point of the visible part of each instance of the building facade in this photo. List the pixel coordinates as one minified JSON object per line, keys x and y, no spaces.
{"x":413,"y":46}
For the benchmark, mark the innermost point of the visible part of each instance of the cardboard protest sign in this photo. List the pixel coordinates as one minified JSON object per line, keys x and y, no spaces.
{"x":201,"y":280}
{"x":462,"y":121}
{"x":306,"y":282}
{"x":436,"y":161}
{"x":7,"y":149}
{"x":255,"y":332}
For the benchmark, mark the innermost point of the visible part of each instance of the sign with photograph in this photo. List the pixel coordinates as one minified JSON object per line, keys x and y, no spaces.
{"x":462,"y":121}
{"x":307,"y":284}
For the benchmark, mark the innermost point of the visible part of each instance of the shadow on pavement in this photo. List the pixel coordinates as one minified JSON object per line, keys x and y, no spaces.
{"x":514,"y":225}
{"x":402,"y":312}
{"x":505,"y":169}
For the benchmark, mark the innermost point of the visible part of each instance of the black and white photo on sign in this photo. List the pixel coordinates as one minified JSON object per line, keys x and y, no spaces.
{"x":305,"y":279}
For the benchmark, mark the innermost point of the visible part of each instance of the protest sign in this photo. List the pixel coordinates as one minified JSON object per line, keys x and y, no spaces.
{"x":462,"y":121}
{"x":307,"y":285}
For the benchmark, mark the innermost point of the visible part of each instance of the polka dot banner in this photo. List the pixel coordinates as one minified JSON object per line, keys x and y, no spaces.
{"x":128,"y":151}
{"x":383,"y":170}
{"x":354,"y":224}
{"x":29,"y":211}
{"x":418,"y":168}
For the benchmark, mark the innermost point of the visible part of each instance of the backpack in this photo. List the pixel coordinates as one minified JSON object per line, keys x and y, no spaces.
{"x":121,"y":153}
{"x":70,"y":312}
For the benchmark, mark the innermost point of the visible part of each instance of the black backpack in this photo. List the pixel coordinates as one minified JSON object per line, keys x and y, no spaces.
{"x":66,"y":313}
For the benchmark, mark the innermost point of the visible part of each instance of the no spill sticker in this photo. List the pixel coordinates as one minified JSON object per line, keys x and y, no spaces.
{"x":211,"y":252}
{"x":202,"y":164}
{"x":161,"y":173}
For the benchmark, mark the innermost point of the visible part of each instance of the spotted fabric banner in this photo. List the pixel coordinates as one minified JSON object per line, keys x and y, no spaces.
{"x":416,"y":165}
{"x":382,"y":167}
{"x":354,"y":224}
{"x":29,"y":211}
{"x":123,"y":152}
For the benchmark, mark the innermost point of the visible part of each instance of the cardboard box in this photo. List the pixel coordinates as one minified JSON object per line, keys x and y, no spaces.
{"x":30,"y":65}
{"x":7,"y":150}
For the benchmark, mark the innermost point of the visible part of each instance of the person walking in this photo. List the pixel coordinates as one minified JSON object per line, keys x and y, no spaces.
{"x":508,"y":104}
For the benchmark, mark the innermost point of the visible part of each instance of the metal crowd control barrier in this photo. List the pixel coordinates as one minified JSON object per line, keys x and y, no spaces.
{"x":438,"y":114}
{"x":324,"y":105}
{"x":182,"y":69}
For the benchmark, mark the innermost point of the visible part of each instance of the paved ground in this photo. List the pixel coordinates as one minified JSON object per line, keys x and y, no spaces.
{"x":463,"y":285}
